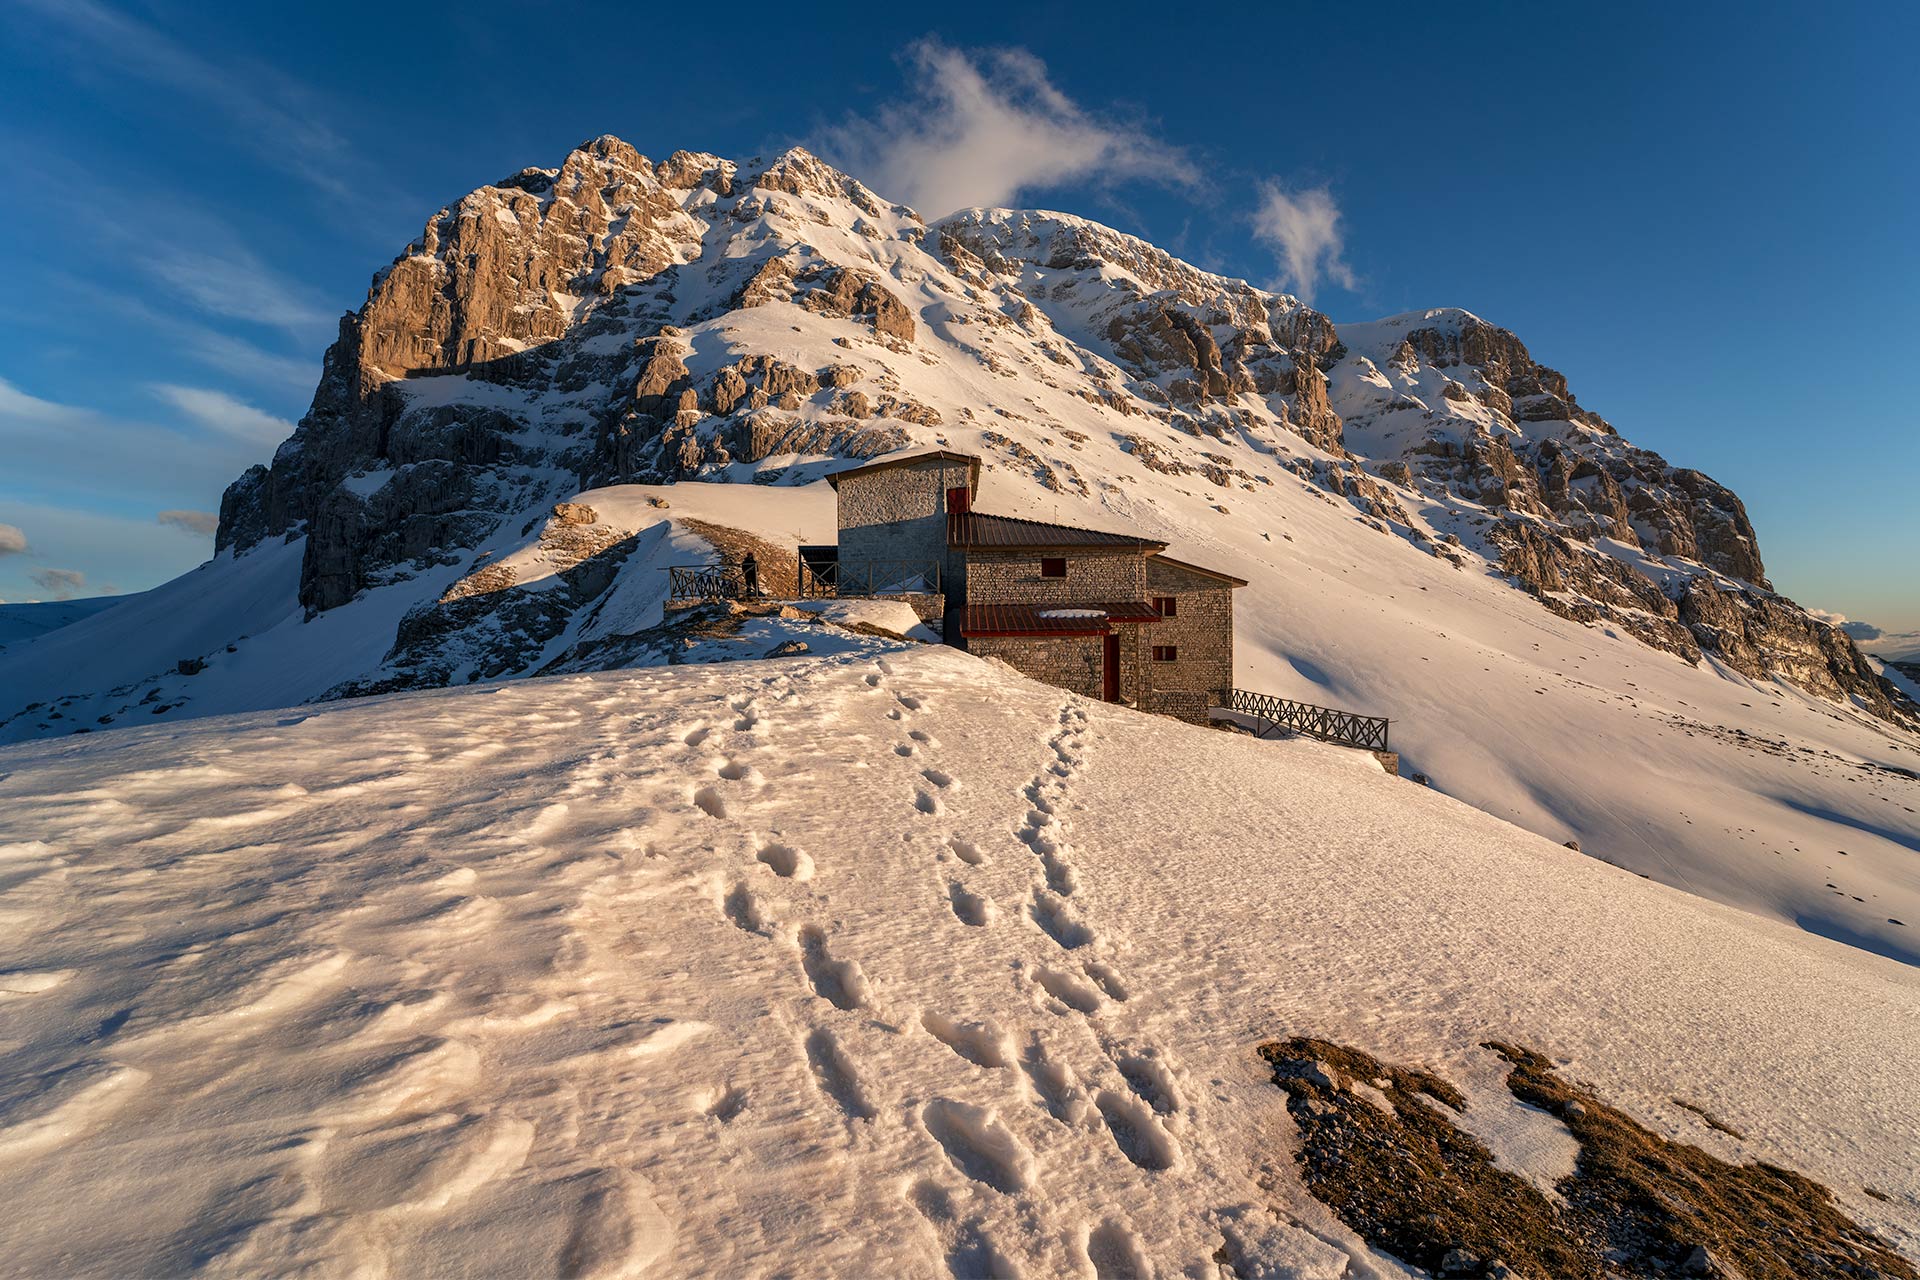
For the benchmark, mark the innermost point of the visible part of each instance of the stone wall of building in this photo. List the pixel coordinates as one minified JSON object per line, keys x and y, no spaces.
{"x":1013,"y":577}
{"x":895,"y":514}
{"x":1071,"y":662}
{"x":1201,"y":631}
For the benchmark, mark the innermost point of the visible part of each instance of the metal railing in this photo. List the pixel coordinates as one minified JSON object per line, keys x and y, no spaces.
{"x":1347,"y":728}
{"x":690,"y":582}
{"x":823,"y":577}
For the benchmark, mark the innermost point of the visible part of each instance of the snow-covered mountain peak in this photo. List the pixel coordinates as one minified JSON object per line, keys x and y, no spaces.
{"x":1435,"y":529}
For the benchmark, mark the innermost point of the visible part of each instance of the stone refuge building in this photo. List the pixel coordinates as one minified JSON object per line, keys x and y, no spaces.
{"x":1107,"y":615}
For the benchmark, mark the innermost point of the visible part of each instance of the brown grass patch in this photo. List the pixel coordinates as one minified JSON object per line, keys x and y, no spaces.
{"x":779,"y":566}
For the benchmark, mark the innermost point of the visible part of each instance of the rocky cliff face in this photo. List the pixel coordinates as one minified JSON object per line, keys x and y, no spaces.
{"x":617,"y":319}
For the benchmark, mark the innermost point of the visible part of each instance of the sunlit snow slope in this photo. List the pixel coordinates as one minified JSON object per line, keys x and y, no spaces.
{"x":700,"y":319}
{"x":884,"y":963}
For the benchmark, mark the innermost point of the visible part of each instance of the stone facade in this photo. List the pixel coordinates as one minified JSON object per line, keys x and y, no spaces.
{"x":1074,"y":663}
{"x":1014,"y":577}
{"x":897,"y":513}
{"x":1201,"y":634}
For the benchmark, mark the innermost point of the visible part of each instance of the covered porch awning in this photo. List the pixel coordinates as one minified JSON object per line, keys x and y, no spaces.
{"x":1052,"y":619}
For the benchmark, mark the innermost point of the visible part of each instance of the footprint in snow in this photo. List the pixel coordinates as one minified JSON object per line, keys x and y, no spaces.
{"x":981,"y":1043}
{"x":1059,"y":921}
{"x":967,"y":851}
{"x":970,"y":908}
{"x":1136,"y":1132}
{"x":839,"y":982}
{"x":979,"y":1145}
{"x":1115,"y":1253}
{"x":710,"y":801}
{"x":786,"y":860}
{"x":1067,"y":990}
{"x":838,"y":1080}
{"x":740,"y":906}
{"x":739,"y":771}
{"x":1151,"y":1080}
{"x":969,"y":1253}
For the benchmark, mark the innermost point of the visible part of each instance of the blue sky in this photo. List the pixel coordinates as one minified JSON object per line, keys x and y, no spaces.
{"x":1706,"y":218}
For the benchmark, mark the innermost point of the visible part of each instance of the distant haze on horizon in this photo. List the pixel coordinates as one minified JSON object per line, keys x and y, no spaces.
{"x":1702,"y":218}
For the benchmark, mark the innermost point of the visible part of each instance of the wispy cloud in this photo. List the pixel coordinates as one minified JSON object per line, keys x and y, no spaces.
{"x":201,"y":523}
{"x":231,"y":282}
{"x":218,"y":411}
{"x":17,"y":406}
{"x":276,"y":115}
{"x":61,"y":584}
{"x":13,"y":540}
{"x":981,"y":127}
{"x":70,"y":449}
{"x":1303,"y":229}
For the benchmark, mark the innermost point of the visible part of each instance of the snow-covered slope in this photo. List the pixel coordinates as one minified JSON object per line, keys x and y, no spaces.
{"x":891,"y":963}
{"x":20,"y":622}
{"x":1568,"y":632}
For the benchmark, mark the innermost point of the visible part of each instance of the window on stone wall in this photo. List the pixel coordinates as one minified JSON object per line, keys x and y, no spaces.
{"x":1166,"y":653}
{"x":1166,"y":606}
{"x":1053,"y":567}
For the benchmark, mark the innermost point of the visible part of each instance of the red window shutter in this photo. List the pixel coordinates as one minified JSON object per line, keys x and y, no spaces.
{"x":1166,"y":653}
{"x":959,"y":500}
{"x":1166,"y":606}
{"x":1053,"y":567}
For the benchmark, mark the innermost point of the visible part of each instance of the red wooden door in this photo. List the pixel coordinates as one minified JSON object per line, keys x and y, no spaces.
{"x":1110,"y":673}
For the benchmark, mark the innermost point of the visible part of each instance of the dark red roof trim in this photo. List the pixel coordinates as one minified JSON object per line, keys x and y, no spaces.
{"x":1028,"y":619}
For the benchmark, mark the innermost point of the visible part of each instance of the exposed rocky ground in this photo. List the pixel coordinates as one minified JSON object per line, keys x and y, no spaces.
{"x":596,"y":323}
{"x":1382,"y":1146}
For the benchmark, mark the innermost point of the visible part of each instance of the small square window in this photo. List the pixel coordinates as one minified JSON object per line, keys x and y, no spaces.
{"x":1053,"y":567}
{"x":1166,"y":653}
{"x":1166,"y":606}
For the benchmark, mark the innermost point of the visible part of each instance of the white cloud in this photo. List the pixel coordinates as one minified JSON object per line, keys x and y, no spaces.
{"x":1303,"y":227}
{"x":224,"y":413}
{"x":16,"y":404}
{"x":237,"y":285}
{"x":61,"y":584}
{"x":13,"y":540}
{"x":74,"y":453}
{"x":202,"y":523}
{"x":982,"y":128}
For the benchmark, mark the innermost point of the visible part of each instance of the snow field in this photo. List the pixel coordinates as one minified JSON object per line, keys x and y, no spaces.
{"x":891,"y":963}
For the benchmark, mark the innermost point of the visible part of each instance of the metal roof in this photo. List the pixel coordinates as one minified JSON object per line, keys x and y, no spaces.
{"x":1200,"y":569}
{"x":971,"y":462}
{"x":1031,"y":619}
{"x":1005,"y":533}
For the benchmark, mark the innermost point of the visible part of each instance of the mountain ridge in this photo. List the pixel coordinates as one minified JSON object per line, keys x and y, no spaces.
{"x":568,"y":375}
{"x":493,"y":279}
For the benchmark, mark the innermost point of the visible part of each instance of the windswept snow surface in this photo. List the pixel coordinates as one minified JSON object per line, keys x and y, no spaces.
{"x":890,"y":963}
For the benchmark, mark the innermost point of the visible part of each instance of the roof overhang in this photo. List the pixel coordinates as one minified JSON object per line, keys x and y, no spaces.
{"x":1199,"y":569}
